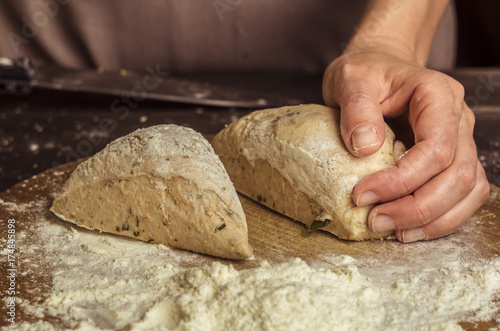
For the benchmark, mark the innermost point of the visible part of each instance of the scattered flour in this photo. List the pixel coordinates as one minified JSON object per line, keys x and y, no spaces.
{"x":106,"y":282}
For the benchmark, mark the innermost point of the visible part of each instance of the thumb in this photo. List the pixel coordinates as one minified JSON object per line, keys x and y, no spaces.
{"x":361,"y":119}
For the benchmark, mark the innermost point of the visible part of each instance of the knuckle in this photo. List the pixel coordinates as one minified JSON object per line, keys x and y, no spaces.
{"x":422,"y":214}
{"x":442,"y":152}
{"x":434,"y":80}
{"x":349,"y":69}
{"x":450,"y":90}
{"x":442,"y":79}
{"x":466,"y":178}
{"x":458,"y":93}
{"x":457,"y":88}
{"x":405,"y":187}
{"x":469,"y":116}
{"x":402,"y":185}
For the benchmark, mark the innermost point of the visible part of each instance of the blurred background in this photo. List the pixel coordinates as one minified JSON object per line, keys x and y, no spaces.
{"x":478,"y":33}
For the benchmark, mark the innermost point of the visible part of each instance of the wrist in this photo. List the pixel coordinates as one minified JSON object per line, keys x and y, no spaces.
{"x":402,"y":29}
{"x":391,"y":46}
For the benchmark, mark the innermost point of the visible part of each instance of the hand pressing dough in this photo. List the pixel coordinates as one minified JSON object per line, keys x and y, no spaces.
{"x":162,"y":184}
{"x":293,"y":160}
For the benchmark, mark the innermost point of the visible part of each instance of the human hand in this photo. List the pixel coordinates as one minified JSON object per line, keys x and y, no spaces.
{"x":439,"y":183}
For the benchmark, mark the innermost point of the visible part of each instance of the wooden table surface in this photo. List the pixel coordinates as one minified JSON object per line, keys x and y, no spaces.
{"x":274,"y":238}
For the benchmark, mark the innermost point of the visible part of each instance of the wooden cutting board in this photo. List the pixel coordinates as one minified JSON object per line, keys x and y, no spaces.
{"x":274,"y":238}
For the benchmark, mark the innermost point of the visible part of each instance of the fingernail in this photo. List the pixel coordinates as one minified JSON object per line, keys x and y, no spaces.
{"x":383,"y":223}
{"x":411,"y":235}
{"x":363,"y":137}
{"x":367,"y":198}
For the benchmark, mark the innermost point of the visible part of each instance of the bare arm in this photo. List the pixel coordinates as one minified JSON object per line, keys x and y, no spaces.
{"x":406,"y":27}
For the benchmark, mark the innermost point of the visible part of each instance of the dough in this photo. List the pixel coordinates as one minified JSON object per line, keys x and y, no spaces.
{"x":293,"y":160}
{"x":162,"y":184}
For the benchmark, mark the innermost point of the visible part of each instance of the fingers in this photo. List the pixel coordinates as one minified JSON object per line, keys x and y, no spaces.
{"x":443,"y":204}
{"x":434,"y":198}
{"x":362,"y":123}
{"x":435,"y":116}
{"x":454,"y":218}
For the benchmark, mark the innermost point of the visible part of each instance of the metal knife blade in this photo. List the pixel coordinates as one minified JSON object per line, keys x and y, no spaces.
{"x":154,"y":85}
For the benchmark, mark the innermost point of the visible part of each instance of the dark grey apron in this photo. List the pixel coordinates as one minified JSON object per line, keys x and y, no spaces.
{"x":191,"y":35}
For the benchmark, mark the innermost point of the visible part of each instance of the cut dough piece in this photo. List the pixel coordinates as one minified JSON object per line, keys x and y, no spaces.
{"x":163,"y":184}
{"x":293,"y":160}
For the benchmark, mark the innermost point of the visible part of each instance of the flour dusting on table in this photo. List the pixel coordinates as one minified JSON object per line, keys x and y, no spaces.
{"x":107,"y":282}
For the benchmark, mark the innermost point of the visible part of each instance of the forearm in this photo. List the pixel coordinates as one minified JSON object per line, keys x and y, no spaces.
{"x":403,"y":27}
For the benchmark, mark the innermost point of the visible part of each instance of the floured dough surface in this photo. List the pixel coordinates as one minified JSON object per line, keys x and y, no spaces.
{"x":161,"y":184}
{"x":293,"y":160}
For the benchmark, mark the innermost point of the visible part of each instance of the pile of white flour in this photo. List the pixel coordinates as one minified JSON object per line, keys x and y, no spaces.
{"x":107,"y":282}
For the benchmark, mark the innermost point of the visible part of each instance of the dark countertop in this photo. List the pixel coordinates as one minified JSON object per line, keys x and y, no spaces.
{"x":48,"y":128}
